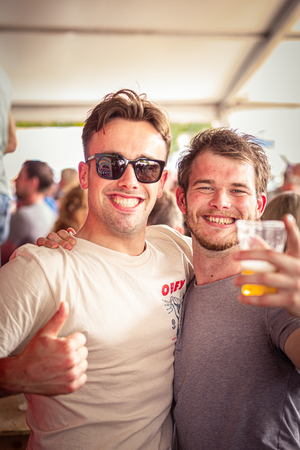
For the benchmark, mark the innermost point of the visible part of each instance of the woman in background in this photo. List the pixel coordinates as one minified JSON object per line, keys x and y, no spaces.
{"x":73,"y":210}
{"x":285,"y":203}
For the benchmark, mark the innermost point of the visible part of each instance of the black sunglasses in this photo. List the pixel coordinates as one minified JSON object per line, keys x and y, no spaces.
{"x":111,"y":167}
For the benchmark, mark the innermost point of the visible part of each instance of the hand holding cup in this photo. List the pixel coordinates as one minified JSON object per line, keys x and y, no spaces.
{"x":255,"y":235}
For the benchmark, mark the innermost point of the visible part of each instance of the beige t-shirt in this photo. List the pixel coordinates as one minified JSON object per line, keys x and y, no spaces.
{"x":128,"y":308}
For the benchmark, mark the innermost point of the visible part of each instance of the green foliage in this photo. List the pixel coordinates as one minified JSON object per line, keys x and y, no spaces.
{"x":191,"y":129}
{"x":24,"y":124}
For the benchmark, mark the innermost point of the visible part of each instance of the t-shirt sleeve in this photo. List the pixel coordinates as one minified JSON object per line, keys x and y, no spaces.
{"x":26,"y":303}
{"x":163,"y":234}
{"x":281,"y":325}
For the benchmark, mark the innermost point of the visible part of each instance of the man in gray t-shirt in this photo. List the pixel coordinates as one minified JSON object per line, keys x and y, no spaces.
{"x":33,"y":216}
{"x":237,"y":384}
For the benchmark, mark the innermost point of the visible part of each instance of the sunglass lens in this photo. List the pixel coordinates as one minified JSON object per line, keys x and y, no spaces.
{"x":110,"y":167}
{"x":147,"y":171}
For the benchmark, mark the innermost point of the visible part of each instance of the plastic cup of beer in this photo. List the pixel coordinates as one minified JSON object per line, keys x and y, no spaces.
{"x":254,"y":234}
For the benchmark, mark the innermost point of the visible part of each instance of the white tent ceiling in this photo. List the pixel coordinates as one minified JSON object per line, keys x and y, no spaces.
{"x":194,"y":58}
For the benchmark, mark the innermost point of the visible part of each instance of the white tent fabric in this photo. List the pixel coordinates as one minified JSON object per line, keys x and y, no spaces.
{"x":203,"y":61}
{"x":191,"y":57}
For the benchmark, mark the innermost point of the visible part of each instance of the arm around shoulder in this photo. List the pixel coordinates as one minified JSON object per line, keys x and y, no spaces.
{"x":62,"y":238}
{"x":10,"y":380}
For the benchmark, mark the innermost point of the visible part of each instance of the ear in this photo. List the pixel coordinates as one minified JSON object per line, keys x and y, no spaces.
{"x":162,"y":183}
{"x":180,"y":197}
{"x":260,"y":205}
{"x":34,"y":183}
{"x":83,"y":171}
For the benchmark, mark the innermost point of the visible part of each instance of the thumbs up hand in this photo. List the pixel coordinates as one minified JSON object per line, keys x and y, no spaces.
{"x":48,"y":365}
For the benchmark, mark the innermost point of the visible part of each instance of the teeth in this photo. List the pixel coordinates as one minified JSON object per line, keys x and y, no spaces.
{"x":220,"y":220}
{"x":126,"y":202}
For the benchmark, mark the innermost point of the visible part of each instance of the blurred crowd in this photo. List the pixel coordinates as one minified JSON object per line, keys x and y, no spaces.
{"x":39,"y":205}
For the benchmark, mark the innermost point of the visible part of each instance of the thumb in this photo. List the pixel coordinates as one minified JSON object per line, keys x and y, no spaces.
{"x":293,"y":236}
{"x":55,"y":324}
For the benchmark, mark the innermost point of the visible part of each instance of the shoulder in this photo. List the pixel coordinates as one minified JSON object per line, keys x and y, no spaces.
{"x":31,"y":252}
{"x":19,"y":224}
{"x":281,"y":325}
{"x":25,"y":273}
{"x":49,"y":260}
{"x":167,"y":233}
{"x":39,"y":266}
{"x":22,"y":214}
{"x":164,"y":236}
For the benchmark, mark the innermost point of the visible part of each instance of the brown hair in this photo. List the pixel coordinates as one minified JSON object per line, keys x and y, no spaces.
{"x":125,"y":104}
{"x":73,"y":206}
{"x":284,"y":203}
{"x":227,"y":142}
{"x":42,"y":171}
{"x":69,"y":178}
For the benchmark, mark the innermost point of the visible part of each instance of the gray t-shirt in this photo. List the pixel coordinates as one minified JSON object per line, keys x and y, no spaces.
{"x":31,"y":222}
{"x":234,"y":387}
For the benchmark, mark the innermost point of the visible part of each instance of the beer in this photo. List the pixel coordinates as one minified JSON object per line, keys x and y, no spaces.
{"x":260,"y":235}
{"x":250,"y":267}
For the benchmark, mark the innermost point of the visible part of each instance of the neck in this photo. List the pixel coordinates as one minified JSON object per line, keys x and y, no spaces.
{"x":211,"y":265}
{"x":34,"y":197}
{"x":132,"y":245}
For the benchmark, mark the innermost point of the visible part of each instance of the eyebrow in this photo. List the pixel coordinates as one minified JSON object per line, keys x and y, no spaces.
{"x":243,"y":185}
{"x":211,"y":182}
{"x":199,"y":181}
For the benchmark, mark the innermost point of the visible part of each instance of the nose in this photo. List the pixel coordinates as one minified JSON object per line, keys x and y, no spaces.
{"x":220,"y":200}
{"x":128,"y":180}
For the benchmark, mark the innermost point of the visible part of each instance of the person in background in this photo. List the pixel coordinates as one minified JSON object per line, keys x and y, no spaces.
{"x":73,"y":210}
{"x":165,"y":212}
{"x":237,"y":380}
{"x":8,"y":144}
{"x":33,"y":216}
{"x":285,"y":203}
{"x":291,"y":179}
{"x":69,"y":179}
{"x":50,"y":198}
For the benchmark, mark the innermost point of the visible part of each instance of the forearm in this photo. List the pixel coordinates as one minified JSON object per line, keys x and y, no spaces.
{"x":12,"y":135}
{"x":48,"y":365}
{"x":10,"y":377}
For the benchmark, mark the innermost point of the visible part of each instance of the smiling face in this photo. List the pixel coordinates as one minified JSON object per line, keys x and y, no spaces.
{"x":221,"y":190}
{"x":121,"y":207}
